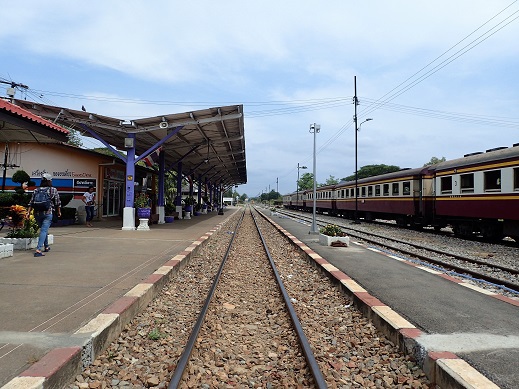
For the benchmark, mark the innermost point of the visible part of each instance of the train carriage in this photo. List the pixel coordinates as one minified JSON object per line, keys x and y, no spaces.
{"x":479,"y":193}
{"x":392,"y":196}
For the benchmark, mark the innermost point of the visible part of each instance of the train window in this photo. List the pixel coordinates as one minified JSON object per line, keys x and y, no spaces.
{"x":363,"y":191}
{"x":386,"y":189}
{"x":446,"y":185}
{"x":352,"y":192}
{"x":516,"y":179}
{"x":493,"y":181}
{"x":377,"y":190}
{"x":370,"y":191}
{"x":395,"y":190}
{"x":467,"y":183}
{"x":406,"y":188}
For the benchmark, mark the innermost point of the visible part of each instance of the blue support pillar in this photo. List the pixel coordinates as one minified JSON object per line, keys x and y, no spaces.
{"x":199,"y":189}
{"x":162,"y":187}
{"x":129,"y":210}
{"x":178,"y":199}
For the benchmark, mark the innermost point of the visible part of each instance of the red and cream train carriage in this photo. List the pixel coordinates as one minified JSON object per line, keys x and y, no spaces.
{"x":478,"y":193}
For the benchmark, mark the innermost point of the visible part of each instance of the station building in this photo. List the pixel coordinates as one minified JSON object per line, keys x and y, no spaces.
{"x":205,"y":146}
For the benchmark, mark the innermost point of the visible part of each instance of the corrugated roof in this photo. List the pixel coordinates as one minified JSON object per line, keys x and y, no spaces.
{"x":19,"y":111}
{"x":209,"y":142}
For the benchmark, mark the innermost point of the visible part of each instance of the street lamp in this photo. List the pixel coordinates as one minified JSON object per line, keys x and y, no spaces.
{"x":356,"y":221}
{"x":314,"y":129}
{"x":298,"y":167}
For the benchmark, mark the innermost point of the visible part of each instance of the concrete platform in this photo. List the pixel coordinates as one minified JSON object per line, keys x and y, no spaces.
{"x":456,"y":331}
{"x":82,"y":291}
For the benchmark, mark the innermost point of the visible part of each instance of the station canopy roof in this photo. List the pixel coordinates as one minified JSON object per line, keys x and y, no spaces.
{"x":209,"y":141}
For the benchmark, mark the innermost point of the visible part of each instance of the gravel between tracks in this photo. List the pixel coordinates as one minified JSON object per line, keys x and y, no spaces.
{"x":350,"y":351}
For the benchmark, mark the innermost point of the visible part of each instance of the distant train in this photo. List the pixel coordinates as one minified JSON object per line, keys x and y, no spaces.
{"x":476,"y":194}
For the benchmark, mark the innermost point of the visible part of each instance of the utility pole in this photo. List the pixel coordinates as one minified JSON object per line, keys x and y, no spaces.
{"x":12,"y":90}
{"x":355,"y":103}
{"x":5,"y":166}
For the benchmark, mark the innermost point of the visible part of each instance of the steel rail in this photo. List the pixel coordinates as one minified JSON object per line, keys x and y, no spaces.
{"x":307,"y":350}
{"x":186,"y":354}
{"x":458,"y":269}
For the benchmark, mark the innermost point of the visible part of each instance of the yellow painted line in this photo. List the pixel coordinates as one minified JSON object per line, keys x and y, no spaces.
{"x":164,"y":270}
{"x":138,"y":290}
{"x":353,"y":286}
{"x":25,"y":383}
{"x":476,"y":198}
{"x":329,"y":267}
{"x":98,"y":324}
{"x":477,"y":289}
{"x":429,"y":270}
{"x":391,"y":317}
{"x":465,"y":374}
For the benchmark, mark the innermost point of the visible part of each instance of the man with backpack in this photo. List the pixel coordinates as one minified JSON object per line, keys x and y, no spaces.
{"x":44,"y":201}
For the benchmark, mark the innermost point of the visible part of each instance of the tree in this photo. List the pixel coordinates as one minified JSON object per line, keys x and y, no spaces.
{"x":74,"y":138}
{"x":434,"y":161}
{"x":306,"y":181}
{"x":331,"y":180}
{"x":372,"y":170}
{"x":243,"y":197}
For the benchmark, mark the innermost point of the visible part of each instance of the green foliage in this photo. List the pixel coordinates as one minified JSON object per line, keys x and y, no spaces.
{"x":155,"y":334}
{"x":189,"y":200}
{"x":74,"y":138}
{"x":372,"y":170}
{"x":331,"y":180}
{"x":7,"y":199}
{"x":142,"y":201}
{"x":105,"y":151}
{"x":306,"y":181}
{"x":169,"y":208}
{"x":20,"y":227}
{"x":434,"y":161}
{"x":272,"y":195}
{"x":20,"y":176}
{"x":332,"y":230}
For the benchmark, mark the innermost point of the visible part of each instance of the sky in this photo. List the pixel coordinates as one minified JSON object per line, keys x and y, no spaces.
{"x":438,"y":78}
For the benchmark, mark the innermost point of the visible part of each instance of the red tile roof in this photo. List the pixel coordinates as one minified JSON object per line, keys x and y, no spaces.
{"x":9,"y":107}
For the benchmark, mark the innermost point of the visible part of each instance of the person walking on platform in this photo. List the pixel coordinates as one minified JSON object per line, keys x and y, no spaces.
{"x":44,"y":201}
{"x":89,"y":200}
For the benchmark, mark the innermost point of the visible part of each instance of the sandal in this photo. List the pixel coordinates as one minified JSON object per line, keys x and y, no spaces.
{"x":39,"y":254}
{"x":47,"y":249}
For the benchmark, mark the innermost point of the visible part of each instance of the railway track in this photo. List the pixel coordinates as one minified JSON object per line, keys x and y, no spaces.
{"x":217,"y":314}
{"x":501,"y":276}
{"x":247,"y":338}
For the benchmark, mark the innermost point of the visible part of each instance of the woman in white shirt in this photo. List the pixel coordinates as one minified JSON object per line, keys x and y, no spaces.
{"x":89,"y":200}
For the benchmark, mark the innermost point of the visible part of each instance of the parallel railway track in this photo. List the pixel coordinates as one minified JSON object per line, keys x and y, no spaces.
{"x":508,"y":276}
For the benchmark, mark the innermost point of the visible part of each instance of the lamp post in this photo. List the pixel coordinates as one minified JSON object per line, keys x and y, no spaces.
{"x":298,"y":167}
{"x":356,"y":221}
{"x":314,"y":129}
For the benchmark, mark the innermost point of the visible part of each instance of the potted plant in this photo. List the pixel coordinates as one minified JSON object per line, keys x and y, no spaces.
{"x":189,"y":202}
{"x":333,"y":233}
{"x":142,"y":203}
{"x":22,"y":232}
{"x":196,"y":209}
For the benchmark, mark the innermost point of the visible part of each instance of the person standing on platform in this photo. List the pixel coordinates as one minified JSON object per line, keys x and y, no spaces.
{"x":44,"y":201}
{"x":89,"y":198}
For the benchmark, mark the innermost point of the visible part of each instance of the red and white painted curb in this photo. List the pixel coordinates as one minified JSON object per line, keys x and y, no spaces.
{"x":444,"y":369}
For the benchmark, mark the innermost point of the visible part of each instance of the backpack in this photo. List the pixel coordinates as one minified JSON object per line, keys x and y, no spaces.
{"x":42,"y":200}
